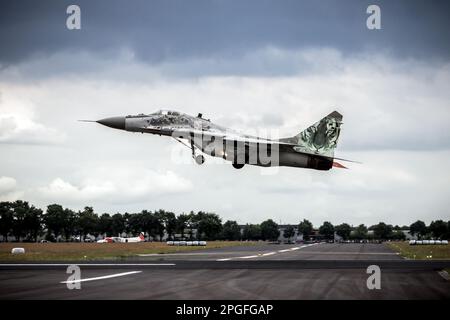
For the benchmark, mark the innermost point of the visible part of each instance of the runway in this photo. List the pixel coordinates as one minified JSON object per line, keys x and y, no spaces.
{"x":315,"y":251}
{"x":322,"y":271}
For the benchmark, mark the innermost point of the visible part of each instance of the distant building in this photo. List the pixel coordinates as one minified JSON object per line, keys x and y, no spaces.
{"x":282,"y":238}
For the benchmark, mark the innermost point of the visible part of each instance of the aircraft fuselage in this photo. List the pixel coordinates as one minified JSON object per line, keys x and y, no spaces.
{"x":218,"y":141}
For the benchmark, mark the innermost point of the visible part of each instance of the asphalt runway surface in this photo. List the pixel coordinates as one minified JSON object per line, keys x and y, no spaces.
{"x":319,"y":271}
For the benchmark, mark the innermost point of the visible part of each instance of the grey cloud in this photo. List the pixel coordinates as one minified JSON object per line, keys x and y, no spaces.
{"x":9,"y":190}
{"x":7,"y":185}
{"x":7,"y":125}
{"x":387,"y":103}
{"x":243,"y":64}
{"x":163,"y":31}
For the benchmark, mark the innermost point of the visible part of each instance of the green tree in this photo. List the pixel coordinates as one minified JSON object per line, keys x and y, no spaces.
{"x":343,"y":230}
{"x":327,"y":230}
{"x":382,"y":231}
{"x":182,"y":224}
{"x":32,"y":222}
{"x":231,"y":231}
{"x":251,"y":232}
{"x":20,"y":209}
{"x":54,"y":219}
{"x":169,"y":223}
{"x":70,"y":224}
{"x":269,"y":230}
{"x":136,"y":223}
{"x":105,"y":224}
{"x":447,"y":235}
{"x":438,"y":228}
{"x":418,"y":228}
{"x":305,"y":228}
{"x":117,"y":224}
{"x":150,"y":224}
{"x":398,"y":235}
{"x":88,"y":222}
{"x":209,"y":226}
{"x":6,"y":219}
{"x":360,"y":232}
{"x":289,"y":232}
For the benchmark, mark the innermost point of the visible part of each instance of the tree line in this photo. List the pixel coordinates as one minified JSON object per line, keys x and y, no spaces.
{"x":27,"y":223}
{"x":437,"y":229}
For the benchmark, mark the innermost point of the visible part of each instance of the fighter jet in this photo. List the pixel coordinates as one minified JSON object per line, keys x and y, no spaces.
{"x":312,"y":148}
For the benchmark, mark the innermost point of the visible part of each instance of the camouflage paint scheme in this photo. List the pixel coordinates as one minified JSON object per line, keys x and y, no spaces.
{"x":321,"y":138}
{"x":312,"y":148}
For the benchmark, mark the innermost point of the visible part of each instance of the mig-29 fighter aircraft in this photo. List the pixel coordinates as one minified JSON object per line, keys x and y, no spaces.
{"x":312,"y":148}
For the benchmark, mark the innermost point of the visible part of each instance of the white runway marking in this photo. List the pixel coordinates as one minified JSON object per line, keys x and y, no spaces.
{"x":83,"y":264}
{"x":103,"y":277}
{"x":179,"y":254}
{"x":268,"y":253}
{"x":259,"y":255}
{"x":352,"y":253}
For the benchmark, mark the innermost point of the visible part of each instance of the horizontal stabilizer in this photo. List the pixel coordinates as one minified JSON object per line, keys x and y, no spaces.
{"x":353,"y":161}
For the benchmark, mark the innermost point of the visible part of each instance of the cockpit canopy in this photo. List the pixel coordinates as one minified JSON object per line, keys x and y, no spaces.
{"x":163,"y":112}
{"x":167,"y":112}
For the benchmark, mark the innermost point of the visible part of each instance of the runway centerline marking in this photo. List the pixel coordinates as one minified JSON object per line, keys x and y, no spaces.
{"x":352,"y":253}
{"x":259,"y":255}
{"x":180,"y":254}
{"x":103,"y":277}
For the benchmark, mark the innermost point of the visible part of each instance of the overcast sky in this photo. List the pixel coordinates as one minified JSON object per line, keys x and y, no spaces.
{"x":263,"y":67}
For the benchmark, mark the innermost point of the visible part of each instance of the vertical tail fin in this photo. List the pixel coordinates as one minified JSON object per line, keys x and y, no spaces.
{"x":320,"y":138}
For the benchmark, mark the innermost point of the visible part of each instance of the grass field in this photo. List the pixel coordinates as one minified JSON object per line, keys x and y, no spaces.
{"x":421,"y":252}
{"x":97,"y":251}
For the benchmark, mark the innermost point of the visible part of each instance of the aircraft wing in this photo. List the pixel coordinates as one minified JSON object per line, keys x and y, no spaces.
{"x":232,"y":137}
{"x":187,"y":133}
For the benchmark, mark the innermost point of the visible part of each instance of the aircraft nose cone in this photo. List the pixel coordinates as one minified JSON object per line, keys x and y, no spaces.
{"x":113,"y":122}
